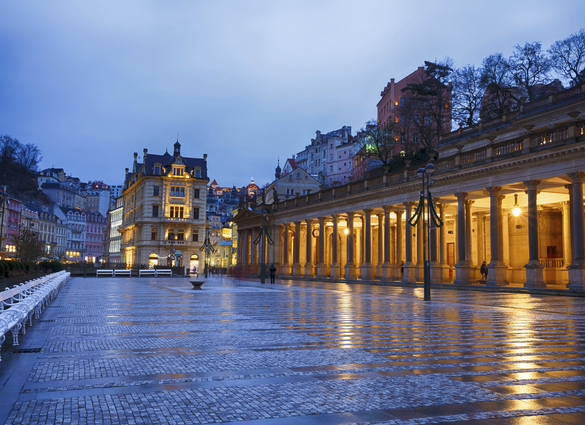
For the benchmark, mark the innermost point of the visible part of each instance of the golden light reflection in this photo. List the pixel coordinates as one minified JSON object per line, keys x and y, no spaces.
{"x":343,"y":312}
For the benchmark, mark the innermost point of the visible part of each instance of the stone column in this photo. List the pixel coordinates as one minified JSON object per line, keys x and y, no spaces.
{"x":297,"y":268}
{"x":239,"y":259}
{"x":335,"y":266}
{"x":419,"y":251}
{"x":309,"y":268}
{"x":480,"y":238}
{"x":367,"y":270}
{"x":246,"y":248}
{"x":566,"y":233}
{"x":534,"y":270}
{"x":497,"y":270}
{"x":286,"y":268}
{"x":577,"y":267}
{"x":409,"y":267}
{"x":380,"y":257}
{"x":436,"y":275}
{"x":398,"y":265}
{"x":350,"y":268}
{"x":387,"y":271}
{"x":443,"y":245}
{"x":321,"y":266}
{"x":253,"y":250}
{"x":462,"y":275}
{"x":468,"y":239}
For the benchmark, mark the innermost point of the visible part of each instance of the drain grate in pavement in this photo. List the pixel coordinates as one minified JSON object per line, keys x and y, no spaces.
{"x":46,"y":321}
{"x":27,"y":350}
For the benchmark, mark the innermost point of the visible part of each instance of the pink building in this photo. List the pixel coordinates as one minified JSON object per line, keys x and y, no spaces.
{"x":94,"y":235}
{"x":13,"y":208}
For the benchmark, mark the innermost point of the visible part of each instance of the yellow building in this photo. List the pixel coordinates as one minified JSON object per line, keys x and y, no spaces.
{"x":164,"y":210}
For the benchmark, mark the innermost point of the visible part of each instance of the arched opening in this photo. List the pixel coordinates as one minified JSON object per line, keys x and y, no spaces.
{"x":152,"y":260}
{"x":194,"y":263}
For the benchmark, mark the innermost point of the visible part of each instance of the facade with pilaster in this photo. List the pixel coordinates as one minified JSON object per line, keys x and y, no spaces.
{"x":509,"y":191}
{"x":164,"y":208}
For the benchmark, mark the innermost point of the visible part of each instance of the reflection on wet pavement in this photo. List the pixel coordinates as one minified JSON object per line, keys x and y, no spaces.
{"x":155,"y":351}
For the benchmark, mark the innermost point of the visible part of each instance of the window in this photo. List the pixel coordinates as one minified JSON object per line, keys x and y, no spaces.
{"x":331,"y":156}
{"x":155,"y":190}
{"x":197,"y":173}
{"x":402,"y":119}
{"x":155,"y":210}
{"x":427,"y":120}
{"x":196,"y":213}
{"x":331,"y":168}
{"x":171,"y":236}
{"x":153,"y":235}
{"x":176,"y":212}
{"x":195,"y":235}
{"x":298,"y":175}
{"x":196,"y":193}
{"x":415,"y":137}
{"x":402,"y":102}
{"x":306,"y":177}
{"x":180,"y":235}
{"x":304,"y":192}
{"x":157,"y":170}
{"x":177,"y":171}
{"x":177,"y":191}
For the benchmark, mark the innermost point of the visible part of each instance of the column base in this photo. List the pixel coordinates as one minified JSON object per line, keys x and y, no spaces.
{"x":462,"y":275}
{"x":497,"y":274}
{"x":387,"y":273}
{"x":409,"y":273}
{"x":420,"y":273}
{"x":286,"y":270}
{"x":309,"y":270}
{"x":350,"y":272}
{"x":321,"y":271}
{"x":445,"y":269}
{"x":534,"y":276}
{"x":576,"y":277}
{"x":335,"y":271}
{"x":436,"y":272}
{"x":367,"y":272}
{"x":298,"y":270}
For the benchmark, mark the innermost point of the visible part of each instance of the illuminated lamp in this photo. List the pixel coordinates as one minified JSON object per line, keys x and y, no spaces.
{"x":516,"y":211}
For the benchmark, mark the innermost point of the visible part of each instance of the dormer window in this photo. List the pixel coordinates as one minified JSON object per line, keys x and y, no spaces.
{"x":177,"y":171}
{"x":197,"y":173}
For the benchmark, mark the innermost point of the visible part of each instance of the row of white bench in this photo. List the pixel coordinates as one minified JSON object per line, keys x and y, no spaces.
{"x":26,"y":301}
{"x":128,"y":273}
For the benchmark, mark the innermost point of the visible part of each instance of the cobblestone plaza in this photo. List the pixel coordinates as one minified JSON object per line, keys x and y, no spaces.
{"x":155,"y":351}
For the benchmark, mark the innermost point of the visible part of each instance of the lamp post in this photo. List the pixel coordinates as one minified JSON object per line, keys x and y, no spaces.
{"x":2,"y":219}
{"x":426,"y":211}
{"x":207,"y":247}
{"x":172,"y":250}
{"x":263,"y":248}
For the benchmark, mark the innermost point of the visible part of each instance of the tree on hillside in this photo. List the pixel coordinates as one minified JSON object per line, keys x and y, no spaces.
{"x":28,"y":245}
{"x":568,"y":57}
{"x":18,"y":165}
{"x":498,"y":82}
{"x":430,"y":100}
{"x":467,"y":95}
{"x":375,"y":142}
{"x":529,"y":66}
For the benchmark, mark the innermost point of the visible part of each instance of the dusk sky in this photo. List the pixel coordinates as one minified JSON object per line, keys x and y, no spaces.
{"x":245,"y":82}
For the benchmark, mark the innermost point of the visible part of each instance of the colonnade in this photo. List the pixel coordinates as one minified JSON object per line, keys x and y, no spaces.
{"x":377,"y":243}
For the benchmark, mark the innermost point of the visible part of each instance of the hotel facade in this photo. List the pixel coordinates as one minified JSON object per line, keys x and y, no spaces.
{"x":509,"y":192}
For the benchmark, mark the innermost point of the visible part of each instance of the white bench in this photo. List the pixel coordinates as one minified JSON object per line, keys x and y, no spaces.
{"x":26,"y":301}
{"x":104,"y":272}
{"x":123,"y":273}
{"x":163,"y":272}
{"x":146,"y":272}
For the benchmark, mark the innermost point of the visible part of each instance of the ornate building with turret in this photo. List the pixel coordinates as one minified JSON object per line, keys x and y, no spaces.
{"x":164,"y":218}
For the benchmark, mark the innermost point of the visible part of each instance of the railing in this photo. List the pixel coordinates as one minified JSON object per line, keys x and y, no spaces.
{"x":548,"y":137}
{"x":474,"y":156}
{"x":508,"y":148}
{"x":552,"y":263}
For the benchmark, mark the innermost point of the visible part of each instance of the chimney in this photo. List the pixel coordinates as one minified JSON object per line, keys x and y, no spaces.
{"x":145,"y":152}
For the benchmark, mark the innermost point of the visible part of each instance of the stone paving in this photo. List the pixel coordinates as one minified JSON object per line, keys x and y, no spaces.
{"x":155,"y":351}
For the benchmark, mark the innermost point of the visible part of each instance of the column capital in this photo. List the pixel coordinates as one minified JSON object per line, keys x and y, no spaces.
{"x":461,"y":196}
{"x":494,"y":190}
{"x":576,"y":177}
{"x":409,"y":204}
{"x":480,"y":214}
{"x":565,"y":204}
{"x":367,"y":211}
{"x":398,"y":213}
{"x":388,"y":208}
{"x":531,"y":184}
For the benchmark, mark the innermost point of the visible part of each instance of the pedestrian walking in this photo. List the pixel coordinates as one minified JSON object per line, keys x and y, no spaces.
{"x":484,"y":271}
{"x":272,"y":273}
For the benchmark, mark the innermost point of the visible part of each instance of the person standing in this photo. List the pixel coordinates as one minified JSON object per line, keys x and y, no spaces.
{"x":484,"y":271}
{"x":272,"y":273}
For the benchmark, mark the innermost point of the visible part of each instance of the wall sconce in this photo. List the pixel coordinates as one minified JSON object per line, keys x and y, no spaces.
{"x":516,"y":211}
{"x":346,"y":231}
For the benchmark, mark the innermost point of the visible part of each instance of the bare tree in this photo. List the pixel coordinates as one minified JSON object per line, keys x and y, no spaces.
{"x":28,"y":245}
{"x":18,"y":165}
{"x":568,"y":57}
{"x":530,"y":66}
{"x":498,"y":82}
{"x":376,"y":142}
{"x":467,"y":95}
{"x":431,"y":101}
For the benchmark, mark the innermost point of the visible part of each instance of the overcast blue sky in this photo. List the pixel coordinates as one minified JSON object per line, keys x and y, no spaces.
{"x":246,"y":82}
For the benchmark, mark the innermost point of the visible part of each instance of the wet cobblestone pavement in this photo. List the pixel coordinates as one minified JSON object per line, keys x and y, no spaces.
{"x":155,"y":351}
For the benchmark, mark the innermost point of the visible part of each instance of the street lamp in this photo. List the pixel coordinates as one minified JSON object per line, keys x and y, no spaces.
{"x":172,"y":250}
{"x":516,"y":211}
{"x":425,"y":174}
